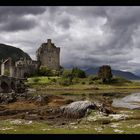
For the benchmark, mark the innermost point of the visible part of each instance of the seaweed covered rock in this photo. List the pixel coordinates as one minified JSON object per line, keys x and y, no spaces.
{"x":6,"y":98}
{"x":77,"y":109}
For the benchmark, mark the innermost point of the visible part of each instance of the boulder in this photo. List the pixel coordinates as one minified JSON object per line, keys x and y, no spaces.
{"x":77,"y":109}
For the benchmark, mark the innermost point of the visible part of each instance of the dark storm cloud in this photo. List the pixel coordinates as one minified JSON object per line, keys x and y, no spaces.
{"x":14,"y":18}
{"x":88,"y":36}
{"x":118,"y":31}
{"x":20,"y":10}
{"x":65,"y":23}
{"x":17,"y":23}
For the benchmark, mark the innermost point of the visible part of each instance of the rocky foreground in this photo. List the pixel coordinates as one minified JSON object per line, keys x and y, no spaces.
{"x":27,"y":113}
{"x":47,"y":107}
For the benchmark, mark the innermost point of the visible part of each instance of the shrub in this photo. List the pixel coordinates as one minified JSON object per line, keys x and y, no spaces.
{"x":83,"y":83}
{"x":120,"y":80}
{"x":35,"y":80}
{"x":61,"y":70}
{"x":67,"y":74}
{"x":76,"y":72}
{"x":93,"y":77}
{"x":53,"y":80}
{"x":44,"y":71}
{"x":75,"y":80}
{"x":90,"y":82}
{"x":55,"y":73}
{"x":65,"y":81}
{"x":105,"y":73}
{"x":32,"y":73}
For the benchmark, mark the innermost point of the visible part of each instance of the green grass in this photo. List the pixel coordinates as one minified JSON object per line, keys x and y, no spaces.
{"x":78,"y":82}
{"x":46,"y":85}
{"x":131,"y":125}
{"x":40,"y":80}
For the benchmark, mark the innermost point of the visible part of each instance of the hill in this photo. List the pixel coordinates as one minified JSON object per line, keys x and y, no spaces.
{"x":7,"y":51}
{"x":118,"y":73}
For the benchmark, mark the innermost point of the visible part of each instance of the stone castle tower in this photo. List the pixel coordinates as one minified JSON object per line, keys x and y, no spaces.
{"x":48,"y":55}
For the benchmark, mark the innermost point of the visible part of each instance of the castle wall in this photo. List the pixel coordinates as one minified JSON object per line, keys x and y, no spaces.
{"x":49,"y":56}
{"x":5,"y":80}
{"x":23,"y":68}
{"x":50,"y":59}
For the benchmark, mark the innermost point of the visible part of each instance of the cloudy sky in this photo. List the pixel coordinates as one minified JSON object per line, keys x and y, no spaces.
{"x":88,"y":36}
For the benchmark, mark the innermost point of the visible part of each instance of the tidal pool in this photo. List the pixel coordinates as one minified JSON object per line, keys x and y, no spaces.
{"x":131,"y":101}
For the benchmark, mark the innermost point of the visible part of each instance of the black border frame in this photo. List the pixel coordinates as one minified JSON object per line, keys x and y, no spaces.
{"x":70,"y":3}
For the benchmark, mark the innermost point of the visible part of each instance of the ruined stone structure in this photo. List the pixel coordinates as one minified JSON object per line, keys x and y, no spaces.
{"x":19,"y":69}
{"x":7,"y":84}
{"x":7,"y":67}
{"x":48,"y":55}
{"x":12,"y":74}
{"x":25,"y":67}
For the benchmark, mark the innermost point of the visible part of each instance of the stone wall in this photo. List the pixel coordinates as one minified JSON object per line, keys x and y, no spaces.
{"x":6,"y":84}
{"x":25,"y":67}
{"x":5,"y":66}
{"x":9,"y":84}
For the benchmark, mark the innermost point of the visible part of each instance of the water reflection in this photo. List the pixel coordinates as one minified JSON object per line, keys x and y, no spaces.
{"x":131,"y":101}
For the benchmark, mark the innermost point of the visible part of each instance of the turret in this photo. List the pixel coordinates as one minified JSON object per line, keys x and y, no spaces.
{"x":49,"y":41}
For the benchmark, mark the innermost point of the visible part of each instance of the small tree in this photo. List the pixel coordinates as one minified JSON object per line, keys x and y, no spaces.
{"x":61,"y":70}
{"x":67,"y":74}
{"x":76,"y":72}
{"x":44,"y":71}
{"x":105,"y":73}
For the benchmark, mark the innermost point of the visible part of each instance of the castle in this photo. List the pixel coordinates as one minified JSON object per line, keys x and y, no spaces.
{"x":48,"y":55}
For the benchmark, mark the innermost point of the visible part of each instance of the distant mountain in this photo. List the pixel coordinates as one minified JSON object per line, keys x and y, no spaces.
{"x":7,"y":51}
{"x":118,"y":73}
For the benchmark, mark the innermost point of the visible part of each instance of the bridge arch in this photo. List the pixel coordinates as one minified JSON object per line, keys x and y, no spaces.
{"x":7,"y":84}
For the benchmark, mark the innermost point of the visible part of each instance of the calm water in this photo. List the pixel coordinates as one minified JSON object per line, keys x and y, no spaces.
{"x":131,"y":101}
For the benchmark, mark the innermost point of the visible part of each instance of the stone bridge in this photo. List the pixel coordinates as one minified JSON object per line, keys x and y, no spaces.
{"x":8,"y":84}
